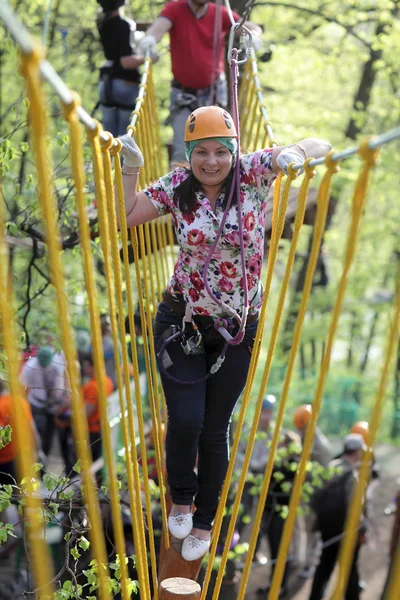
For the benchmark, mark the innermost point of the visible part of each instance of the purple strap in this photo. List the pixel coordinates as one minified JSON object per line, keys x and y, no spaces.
{"x":241,"y":320}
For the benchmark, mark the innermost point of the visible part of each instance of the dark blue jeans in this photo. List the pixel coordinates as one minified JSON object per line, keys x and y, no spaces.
{"x":199,"y":415}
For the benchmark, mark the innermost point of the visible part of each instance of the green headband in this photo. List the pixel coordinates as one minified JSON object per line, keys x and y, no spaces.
{"x":228,"y":142}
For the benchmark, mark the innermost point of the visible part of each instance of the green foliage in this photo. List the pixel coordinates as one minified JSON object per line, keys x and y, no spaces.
{"x":5,"y":435}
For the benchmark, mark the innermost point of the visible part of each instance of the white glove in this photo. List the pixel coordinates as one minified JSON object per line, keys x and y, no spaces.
{"x":148,"y":42}
{"x":154,"y":57}
{"x":131,"y":152}
{"x":290,"y":156}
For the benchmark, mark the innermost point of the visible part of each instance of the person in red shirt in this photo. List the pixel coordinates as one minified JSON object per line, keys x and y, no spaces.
{"x":9,"y":451}
{"x":197,"y":30}
{"x":90,"y":393}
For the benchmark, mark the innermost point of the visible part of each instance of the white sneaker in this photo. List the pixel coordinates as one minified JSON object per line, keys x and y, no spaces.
{"x":180,"y":525}
{"x":194,"y":548}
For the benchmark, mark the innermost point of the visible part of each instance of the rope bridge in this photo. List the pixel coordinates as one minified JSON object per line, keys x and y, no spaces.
{"x":153,"y":253}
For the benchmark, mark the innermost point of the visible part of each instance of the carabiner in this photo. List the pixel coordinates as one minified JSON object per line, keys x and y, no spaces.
{"x":243,"y":45}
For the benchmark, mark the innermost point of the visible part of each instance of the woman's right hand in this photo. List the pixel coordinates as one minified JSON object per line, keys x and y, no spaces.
{"x":131,"y":152}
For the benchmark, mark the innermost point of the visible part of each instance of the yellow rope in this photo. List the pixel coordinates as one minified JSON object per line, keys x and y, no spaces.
{"x":277,"y":232}
{"x":394,"y":581}
{"x":34,"y":512}
{"x":99,"y":179}
{"x":357,"y":210}
{"x":354,"y":513}
{"x":285,"y":284}
{"x":124,"y":239}
{"x":302,"y":203}
{"x":128,"y":433}
{"x":30,"y":67}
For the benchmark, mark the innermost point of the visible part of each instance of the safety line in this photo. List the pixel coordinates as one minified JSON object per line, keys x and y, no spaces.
{"x":35,"y":511}
{"x":357,"y":211}
{"x":30,"y":69}
{"x":358,"y":497}
{"x":318,"y":230}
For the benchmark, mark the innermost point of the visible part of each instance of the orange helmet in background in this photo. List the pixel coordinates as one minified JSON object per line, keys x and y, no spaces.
{"x":302,"y":416}
{"x":209,"y":122}
{"x":361,"y":427}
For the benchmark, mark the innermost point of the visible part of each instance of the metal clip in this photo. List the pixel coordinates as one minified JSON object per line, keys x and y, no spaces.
{"x":245,"y":43}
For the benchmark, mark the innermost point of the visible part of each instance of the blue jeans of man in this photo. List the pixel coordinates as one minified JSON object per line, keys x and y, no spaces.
{"x":117,"y":101}
{"x":199,"y":415}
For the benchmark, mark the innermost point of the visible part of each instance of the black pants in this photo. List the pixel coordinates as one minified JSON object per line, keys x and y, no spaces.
{"x":8,"y":473}
{"x":96,"y":445}
{"x":199,"y":415}
{"x":325,"y":568}
{"x":67,"y":448}
{"x":44,"y":421}
{"x":272,"y":526}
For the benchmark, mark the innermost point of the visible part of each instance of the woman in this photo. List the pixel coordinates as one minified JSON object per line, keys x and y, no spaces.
{"x":206,"y":288}
{"x":120,"y":78}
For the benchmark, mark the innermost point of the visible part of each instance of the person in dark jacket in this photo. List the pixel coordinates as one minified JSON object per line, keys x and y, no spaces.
{"x":119,"y":75}
{"x":278,"y":498}
{"x":333,"y":501}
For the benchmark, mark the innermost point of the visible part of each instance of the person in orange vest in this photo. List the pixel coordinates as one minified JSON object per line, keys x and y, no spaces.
{"x":90,"y":393}
{"x":9,"y":451}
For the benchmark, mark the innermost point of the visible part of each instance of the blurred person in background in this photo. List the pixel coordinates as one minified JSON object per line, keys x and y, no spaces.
{"x":44,"y":379}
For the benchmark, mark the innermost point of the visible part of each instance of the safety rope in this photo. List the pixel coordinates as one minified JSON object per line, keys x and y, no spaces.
{"x":357,"y":211}
{"x":358,"y":497}
{"x":30,"y":68}
{"x":25,"y":457}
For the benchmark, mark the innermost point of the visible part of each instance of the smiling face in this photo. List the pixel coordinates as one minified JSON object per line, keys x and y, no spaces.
{"x":211,"y":163}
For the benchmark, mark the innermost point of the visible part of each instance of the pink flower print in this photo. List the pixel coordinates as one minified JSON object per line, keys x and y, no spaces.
{"x":194,"y":295}
{"x":199,"y":310}
{"x":246,"y":238}
{"x":251,"y":281}
{"x":188,"y":217}
{"x":249,"y":221}
{"x":186,"y":259}
{"x":254,"y":265}
{"x":196,"y":280}
{"x":233,"y":238}
{"x":225,"y":285}
{"x":228,"y":269}
{"x":196,"y":238}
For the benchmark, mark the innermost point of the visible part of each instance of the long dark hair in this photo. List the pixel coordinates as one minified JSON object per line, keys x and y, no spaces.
{"x":185,"y":193}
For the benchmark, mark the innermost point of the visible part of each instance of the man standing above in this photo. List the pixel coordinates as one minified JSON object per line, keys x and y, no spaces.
{"x":197,"y":31}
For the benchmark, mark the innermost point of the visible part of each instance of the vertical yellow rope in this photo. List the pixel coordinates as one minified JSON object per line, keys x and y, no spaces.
{"x":394,"y":581}
{"x":285,"y":284}
{"x":357,"y":210}
{"x":277,"y":232}
{"x":98,"y":172}
{"x":42,"y":569}
{"x":302,"y":203}
{"x":128,"y":429}
{"x":358,"y":497}
{"x":30,"y":66}
{"x":124,"y":239}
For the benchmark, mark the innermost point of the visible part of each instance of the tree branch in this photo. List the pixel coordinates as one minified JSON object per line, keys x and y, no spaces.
{"x":316,"y":13}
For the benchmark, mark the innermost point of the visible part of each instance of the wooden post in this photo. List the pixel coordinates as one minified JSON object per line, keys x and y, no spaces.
{"x":179,"y":588}
{"x":175,"y":566}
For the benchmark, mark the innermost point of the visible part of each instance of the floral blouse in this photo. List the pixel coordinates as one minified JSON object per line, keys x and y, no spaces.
{"x":196,"y":232}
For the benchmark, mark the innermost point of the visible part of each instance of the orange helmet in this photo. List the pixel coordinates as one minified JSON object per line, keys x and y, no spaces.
{"x":362,"y":428}
{"x":302,"y":416}
{"x":209,"y":122}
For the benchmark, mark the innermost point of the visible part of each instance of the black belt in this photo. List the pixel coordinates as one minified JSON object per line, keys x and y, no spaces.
{"x":188,"y":90}
{"x":178,"y":305}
